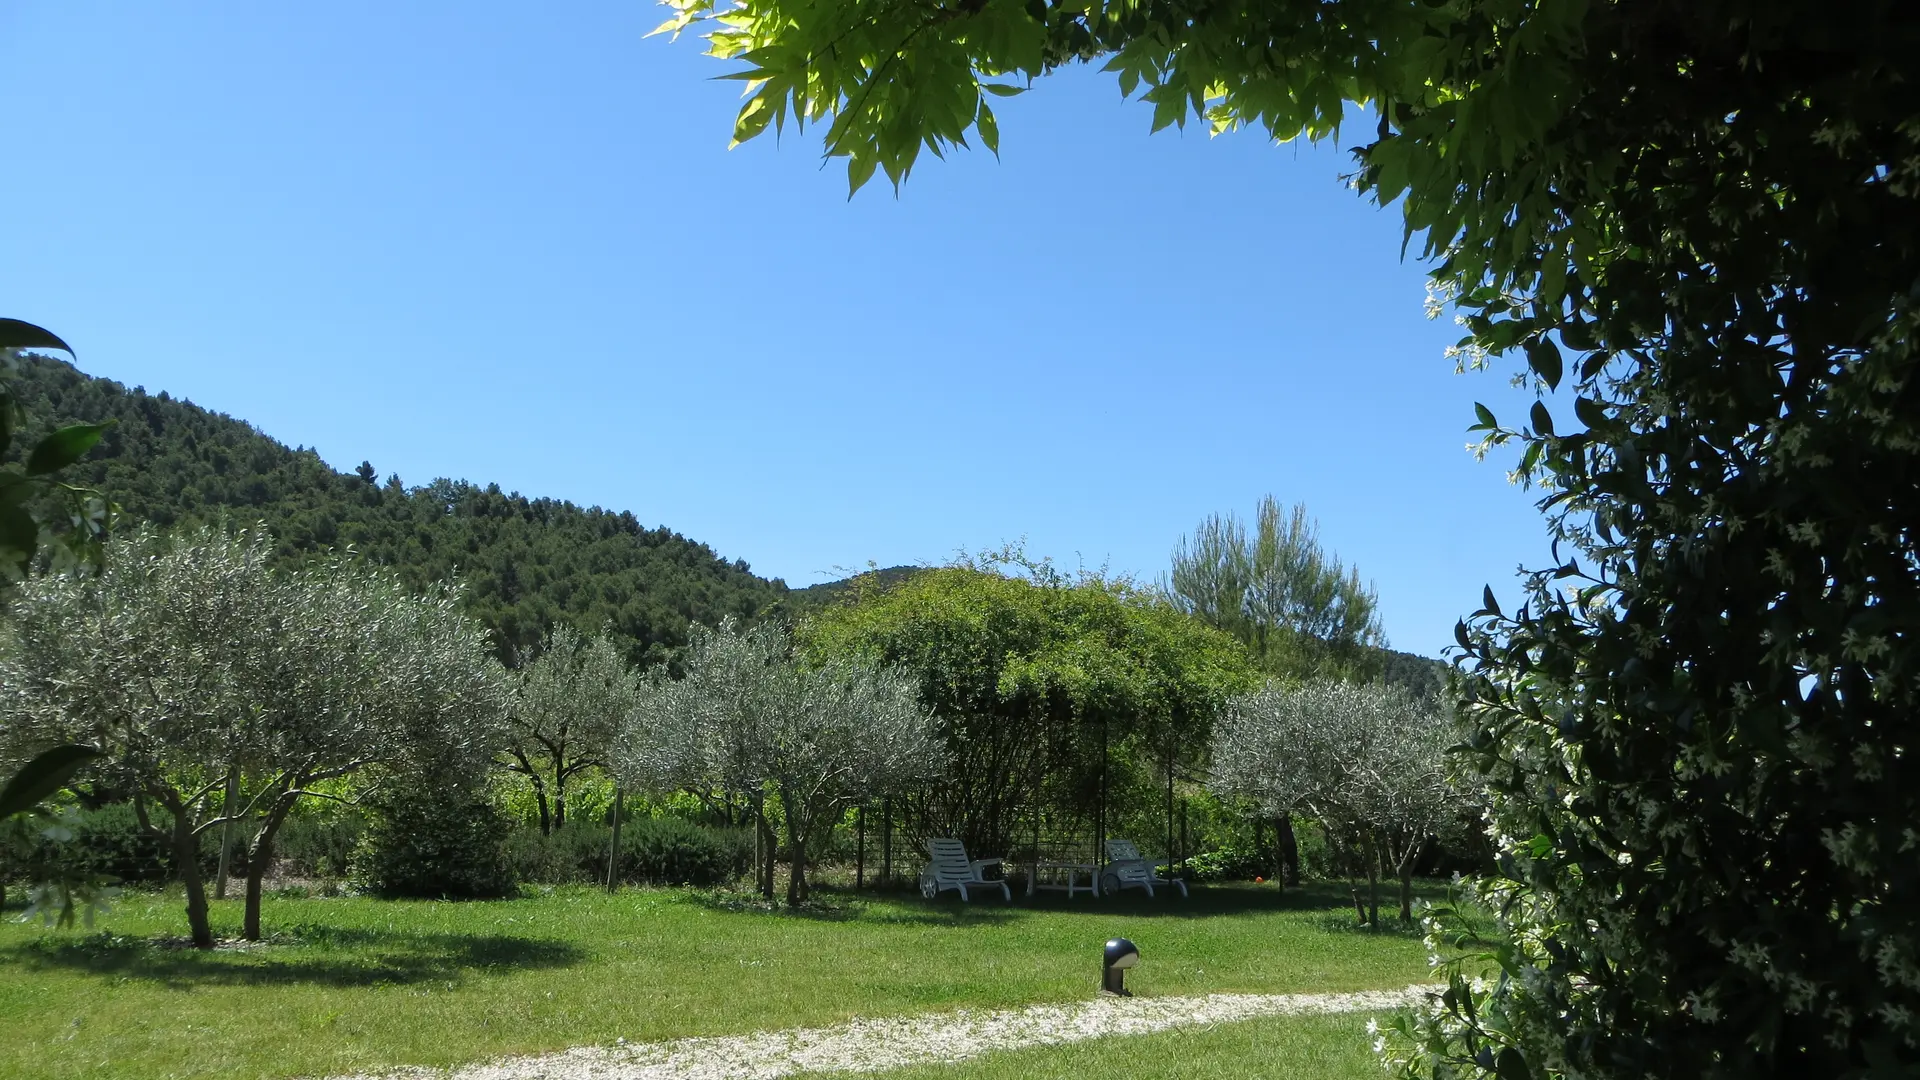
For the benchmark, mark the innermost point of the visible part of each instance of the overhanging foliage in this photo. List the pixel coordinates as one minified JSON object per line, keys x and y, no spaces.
{"x":1696,"y":221}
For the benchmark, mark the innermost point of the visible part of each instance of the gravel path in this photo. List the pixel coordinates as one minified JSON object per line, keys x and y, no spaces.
{"x":872,"y":1045}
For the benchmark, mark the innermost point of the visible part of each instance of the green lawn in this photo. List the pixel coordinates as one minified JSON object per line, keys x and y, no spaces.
{"x":1268,"y":1048}
{"x":357,"y":983}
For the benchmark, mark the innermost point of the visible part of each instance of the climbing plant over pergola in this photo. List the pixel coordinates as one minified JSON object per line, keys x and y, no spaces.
{"x":1037,"y":680}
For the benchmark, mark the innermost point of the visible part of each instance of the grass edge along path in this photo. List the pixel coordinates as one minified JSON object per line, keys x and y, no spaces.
{"x":876,"y":1045}
{"x":1329,"y":1046}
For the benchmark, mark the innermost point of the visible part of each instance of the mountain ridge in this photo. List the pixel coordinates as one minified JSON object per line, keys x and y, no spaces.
{"x":526,"y":562}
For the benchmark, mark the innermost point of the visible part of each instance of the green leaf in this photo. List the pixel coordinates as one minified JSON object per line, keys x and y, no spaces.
{"x":1553,"y":278}
{"x":1485,"y":416}
{"x":15,"y":334}
{"x":1590,"y":412}
{"x":859,"y":170}
{"x":1487,"y":601}
{"x":15,"y":488}
{"x":1542,"y":419}
{"x":754,"y":117}
{"x":63,"y":448}
{"x":1544,"y":358}
{"x":1002,"y":89}
{"x":989,"y":129}
{"x":1531,"y":458}
{"x":1169,"y":107}
{"x":19,"y":539}
{"x":1578,"y":334}
{"x":45,"y":774}
{"x":1510,"y":1065}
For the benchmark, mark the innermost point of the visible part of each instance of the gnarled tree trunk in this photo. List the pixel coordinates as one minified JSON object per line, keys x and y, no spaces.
{"x":769,"y":849}
{"x":259,"y":854}
{"x":186,"y":859}
{"x":1373,"y":886}
{"x":797,"y":880}
{"x":1289,"y":851}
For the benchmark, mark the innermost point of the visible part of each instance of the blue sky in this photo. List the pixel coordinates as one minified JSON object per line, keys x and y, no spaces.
{"x":508,"y":243}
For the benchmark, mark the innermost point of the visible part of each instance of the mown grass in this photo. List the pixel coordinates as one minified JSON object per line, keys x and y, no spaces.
{"x":1290,"y":1047}
{"x":352,"y":983}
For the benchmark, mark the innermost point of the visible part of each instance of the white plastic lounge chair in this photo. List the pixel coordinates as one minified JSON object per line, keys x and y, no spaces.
{"x":949,"y":868}
{"x":1126,"y":869}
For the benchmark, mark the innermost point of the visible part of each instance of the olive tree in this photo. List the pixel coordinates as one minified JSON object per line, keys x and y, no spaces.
{"x":1402,"y":789}
{"x":1366,"y":759}
{"x":704,"y":732}
{"x":147,"y":662}
{"x":201,"y":673}
{"x":567,"y":703}
{"x":368,"y":673}
{"x":749,"y":719}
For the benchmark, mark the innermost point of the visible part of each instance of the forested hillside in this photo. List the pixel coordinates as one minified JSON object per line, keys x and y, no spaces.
{"x":526,"y":563}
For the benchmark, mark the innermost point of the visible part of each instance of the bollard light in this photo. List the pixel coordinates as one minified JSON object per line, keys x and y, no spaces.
{"x":1120,"y":956}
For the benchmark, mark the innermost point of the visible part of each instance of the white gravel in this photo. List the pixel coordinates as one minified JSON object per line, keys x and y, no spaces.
{"x":871,"y":1045}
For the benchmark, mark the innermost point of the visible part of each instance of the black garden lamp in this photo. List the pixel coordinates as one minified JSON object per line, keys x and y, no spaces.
{"x":1121,"y":955}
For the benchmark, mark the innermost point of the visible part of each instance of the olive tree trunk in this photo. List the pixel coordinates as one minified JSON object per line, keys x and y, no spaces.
{"x":769,"y":850}
{"x":797,"y":880}
{"x":259,"y":854}
{"x":1289,"y":851}
{"x":1406,"y":853}
{"x":186,"y":859}
{"x":1373,"y":886}
{"x":524,"y":766}
{"x":226,"y":833}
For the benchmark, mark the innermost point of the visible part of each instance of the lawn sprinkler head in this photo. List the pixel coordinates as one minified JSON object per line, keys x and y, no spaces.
{"x":1121,"y":955}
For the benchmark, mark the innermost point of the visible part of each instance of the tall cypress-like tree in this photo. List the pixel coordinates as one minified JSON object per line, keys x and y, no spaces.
{"x":1295,"y":604}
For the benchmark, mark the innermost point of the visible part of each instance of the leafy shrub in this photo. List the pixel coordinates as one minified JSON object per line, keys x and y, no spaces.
{"x":325,"y":889}
{"x":319,"y":845}
{"x":653,"y":851}
{"x":431,"y":841}
{"x":838,"y":845}
{"x":1320,"y":860}
{"x":1234,"y":862}
{"x":668,"y":851}
{"x":107,"y":842}
{"x":546,"y":860}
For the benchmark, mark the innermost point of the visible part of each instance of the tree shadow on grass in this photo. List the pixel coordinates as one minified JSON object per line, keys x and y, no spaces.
{"x":1348,"y":922}
{"x":839,"y":905}
{"x":1329,"y":904}
{"x":311,"y":953}
{"x":1327,"y":901}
